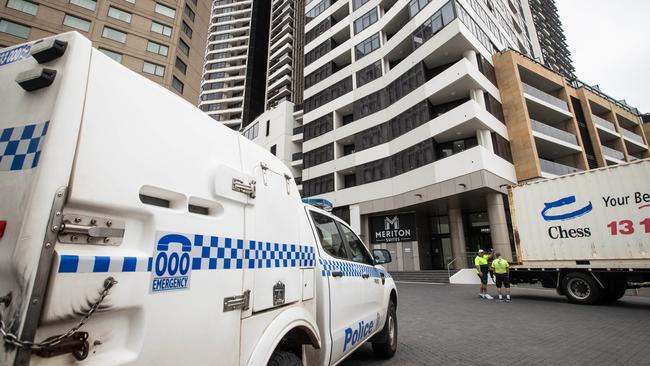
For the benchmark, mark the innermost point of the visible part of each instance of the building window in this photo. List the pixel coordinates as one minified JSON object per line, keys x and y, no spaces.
{"x":318,"y":127}
{"x":114,"y":34}
{"x":153,"y":69}
{"x":119,"y":14}
{"x":165,"y":10}
{"x":368,"y":73}
{"x":268,"y":128}
{"x":24,"y":6}
{"x":161,"y":29}
{"x":112,"y":54}
{"x":252,"y":132}
{"x":189,"y":12}
{"x":416,"y":5}
{"x":15,"y":29}
{"x":183,"y":47}
{"x":274,"y":149}
{"x":317,"y":10}
{"x":365,"y":20}
{"x":186,"y":29}
{"x":157,"y":48}
{"x":88,"y":4}
{"x":177,"y":84}
{"x":356,"y":4}
{"x":318,"y":185}
{"x":77,"y":23}
{"x":368,"y":45}
{"x":181,"y":66}
{"x":318,"y":156}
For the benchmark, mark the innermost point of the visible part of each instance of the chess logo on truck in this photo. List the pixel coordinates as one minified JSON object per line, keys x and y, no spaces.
{"x":559,"y":232}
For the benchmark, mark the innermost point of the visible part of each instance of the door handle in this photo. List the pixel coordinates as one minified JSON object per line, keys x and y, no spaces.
{"x":365,"y":275}
{"x":337,"y":274}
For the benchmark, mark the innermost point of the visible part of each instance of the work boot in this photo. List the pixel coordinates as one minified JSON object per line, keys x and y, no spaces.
{"x":487,"y":296}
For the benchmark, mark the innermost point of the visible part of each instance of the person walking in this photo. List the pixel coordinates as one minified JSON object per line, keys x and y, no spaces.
{"x":482,"y":269}
{"x":501,"y":269}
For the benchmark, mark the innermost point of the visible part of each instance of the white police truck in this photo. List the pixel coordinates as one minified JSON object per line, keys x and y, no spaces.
{"x":136,"y":230}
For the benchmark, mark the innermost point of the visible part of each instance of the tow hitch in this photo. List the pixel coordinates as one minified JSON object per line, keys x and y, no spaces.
{"x":76,"y":344}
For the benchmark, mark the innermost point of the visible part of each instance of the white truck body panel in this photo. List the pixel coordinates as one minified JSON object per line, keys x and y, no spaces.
{"x":135,"y":154}
{"x":600,"y":218}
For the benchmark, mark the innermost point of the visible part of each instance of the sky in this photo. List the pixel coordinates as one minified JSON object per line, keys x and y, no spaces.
{"x":609,"y":42}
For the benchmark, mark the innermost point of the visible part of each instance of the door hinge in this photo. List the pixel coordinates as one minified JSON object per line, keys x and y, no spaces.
{"x":237,"y":302}
{"x":80,"y":229}
{"x":238,"y":185}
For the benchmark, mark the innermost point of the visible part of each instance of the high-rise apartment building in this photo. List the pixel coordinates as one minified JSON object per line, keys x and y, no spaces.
{"x":234,"y":79}
{"x":559,"y":126}
{"x":285,"y":71}
{"x":403,"y":125}
{"x":162,"y":40}
{"x":550,"y":41}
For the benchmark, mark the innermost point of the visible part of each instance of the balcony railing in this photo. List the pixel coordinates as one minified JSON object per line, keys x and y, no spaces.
{"x":296,"y":156}
{"x":613,"y":153}
{"x":554,"y":132}
{"x":556,"y":168}
{"x":632,"y":136}
{"x":546,"y":97}
{"x":297,"y":130}
{"x":604,"y":123}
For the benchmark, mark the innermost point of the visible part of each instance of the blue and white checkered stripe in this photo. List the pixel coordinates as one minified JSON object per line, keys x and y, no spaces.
{"x":208,"y":253}
{"x":349,"y":269}
{"x":20,"y":147}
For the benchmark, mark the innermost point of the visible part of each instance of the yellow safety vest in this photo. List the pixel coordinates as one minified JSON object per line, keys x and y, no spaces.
{"x":500,"y":266}
{"x":481,"y":260}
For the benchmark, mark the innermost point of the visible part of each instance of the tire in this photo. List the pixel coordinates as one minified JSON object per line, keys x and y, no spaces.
{"x":284,"y":358}
{"x":581,"y":288}
{"x":388,"y":346}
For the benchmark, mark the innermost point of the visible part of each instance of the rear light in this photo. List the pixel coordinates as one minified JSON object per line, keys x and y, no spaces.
{"x":3,"y":225}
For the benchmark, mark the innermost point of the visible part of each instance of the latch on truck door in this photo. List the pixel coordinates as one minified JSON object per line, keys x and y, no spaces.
{"x":237,"y":302}
{"x":79,"y":229}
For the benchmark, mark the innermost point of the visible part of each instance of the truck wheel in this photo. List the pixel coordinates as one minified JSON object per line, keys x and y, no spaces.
{"x":284,"y":358}
{"x":580,"y":288}
{"x":388,"y":335}
{"x":614,"y":293}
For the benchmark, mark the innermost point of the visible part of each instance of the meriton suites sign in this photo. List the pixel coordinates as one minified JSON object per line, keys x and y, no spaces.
{"x":392,"y":228}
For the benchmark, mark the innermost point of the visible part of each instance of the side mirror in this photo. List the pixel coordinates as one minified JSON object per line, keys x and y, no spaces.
{"x":381,"y":256}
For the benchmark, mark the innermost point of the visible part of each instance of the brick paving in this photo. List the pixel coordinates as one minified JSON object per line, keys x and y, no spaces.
{"x":450,"y":325}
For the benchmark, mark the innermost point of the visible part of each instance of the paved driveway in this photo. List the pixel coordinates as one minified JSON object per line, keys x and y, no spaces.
{"x":450,"y":325}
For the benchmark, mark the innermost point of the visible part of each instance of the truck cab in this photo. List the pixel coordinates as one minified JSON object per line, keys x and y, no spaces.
{"x":134,"y":229}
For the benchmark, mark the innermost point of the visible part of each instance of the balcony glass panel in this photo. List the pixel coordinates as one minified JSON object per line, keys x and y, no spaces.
{"x":557,"y":168}
{"x":632,"y":136}
{"x":604,"y":123}
{"x":554,"y":132}
{"x":545,"y":97}
{"x":613,"y":153}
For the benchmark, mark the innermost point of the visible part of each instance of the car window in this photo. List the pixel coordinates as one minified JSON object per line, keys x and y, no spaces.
{"x":358,"y":251}
{"x":329,"y":236}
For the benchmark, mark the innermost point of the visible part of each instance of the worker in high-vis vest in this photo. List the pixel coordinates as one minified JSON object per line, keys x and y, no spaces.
{"x":501,"y":269}
{"x":482,"y":269}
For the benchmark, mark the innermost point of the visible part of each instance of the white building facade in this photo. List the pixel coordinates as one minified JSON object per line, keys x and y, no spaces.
{"x":403,"y":127}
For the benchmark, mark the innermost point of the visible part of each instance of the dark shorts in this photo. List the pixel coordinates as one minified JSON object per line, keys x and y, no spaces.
{"x":484,"y":279}
{"x":503,"y":281}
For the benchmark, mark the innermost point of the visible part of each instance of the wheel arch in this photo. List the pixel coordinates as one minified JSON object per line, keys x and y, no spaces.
{"x":295,"y":324}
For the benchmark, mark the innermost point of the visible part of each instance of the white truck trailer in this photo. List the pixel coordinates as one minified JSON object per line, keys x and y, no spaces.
{"x":136,"y":230}
{"x":585,"y":234}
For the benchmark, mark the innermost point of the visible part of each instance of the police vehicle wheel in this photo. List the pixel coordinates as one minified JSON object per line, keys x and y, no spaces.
{"x":581,"y":288}
{"x":284,"y":358}
{"x":388,"y":346}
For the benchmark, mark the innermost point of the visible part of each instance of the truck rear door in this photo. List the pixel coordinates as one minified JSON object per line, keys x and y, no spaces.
{"x":38,"y":137}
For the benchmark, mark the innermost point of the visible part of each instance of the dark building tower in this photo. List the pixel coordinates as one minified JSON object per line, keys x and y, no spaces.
{"x":552,"y":41}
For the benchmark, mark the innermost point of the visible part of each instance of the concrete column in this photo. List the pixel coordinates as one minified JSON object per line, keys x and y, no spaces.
{"x":477,"y":96}
{"x":498,"y":225}
{"x":457,"y":232}
{"x":355,"y":219}
{"x":470,"y":55}
{"x":484,"y":138}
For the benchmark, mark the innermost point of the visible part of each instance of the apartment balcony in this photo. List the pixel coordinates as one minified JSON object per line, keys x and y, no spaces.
{"x":632,"y":136}
{"x":556,"y":169}
{"x":297,"y":134}
{"x":554,"y":132}
{"x":606,"y":129}
{"x":613,"y":155}
{"x":296,"y":160}
{"x":545,"y":97}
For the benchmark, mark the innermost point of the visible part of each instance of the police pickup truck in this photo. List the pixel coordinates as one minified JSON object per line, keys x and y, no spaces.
{"x":136,"y":230}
